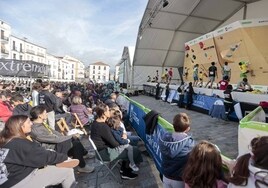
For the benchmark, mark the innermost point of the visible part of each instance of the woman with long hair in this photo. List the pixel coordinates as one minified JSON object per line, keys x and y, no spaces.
{"x":203,"y":169}
{"x":106,"y":144}
{"x":24,"y":163}
{"x":251,"y":170}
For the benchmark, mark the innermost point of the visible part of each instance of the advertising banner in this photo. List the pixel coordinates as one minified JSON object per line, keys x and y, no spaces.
{"x":19,"y":68}
{"x":136,"y":114}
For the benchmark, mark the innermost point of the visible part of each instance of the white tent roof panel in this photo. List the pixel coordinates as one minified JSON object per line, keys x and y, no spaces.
{"x":181,"y":37}
{"x":168,"y":21}
{"x":217,"y":10}
{"x":151,"y":57}
{"x":164,"y":30}
{"x":156,"y":39}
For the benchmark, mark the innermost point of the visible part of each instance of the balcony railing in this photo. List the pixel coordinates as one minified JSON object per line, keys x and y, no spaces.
{"x":30,"y":51}
{"x":5,"y":38}
{"x":15,"y":48}
{"x":4,"y":51}
{"x":40,"y":54}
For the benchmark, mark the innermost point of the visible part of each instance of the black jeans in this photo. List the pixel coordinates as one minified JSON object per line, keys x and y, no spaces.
{"x":73,"y":147}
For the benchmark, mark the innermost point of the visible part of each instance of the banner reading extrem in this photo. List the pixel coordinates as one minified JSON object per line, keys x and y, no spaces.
{"x":19,"y":68}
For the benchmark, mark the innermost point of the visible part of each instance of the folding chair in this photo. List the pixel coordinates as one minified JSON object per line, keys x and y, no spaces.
{"x":64,"y":129}
{"x":77,"y":123}
{"x":107,"y":164}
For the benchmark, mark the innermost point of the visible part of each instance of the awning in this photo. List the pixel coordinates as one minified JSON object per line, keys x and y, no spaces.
{"x":164,"y":30}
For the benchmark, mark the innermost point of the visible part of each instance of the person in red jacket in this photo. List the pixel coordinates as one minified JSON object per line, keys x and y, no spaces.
{"x":5,"y":111}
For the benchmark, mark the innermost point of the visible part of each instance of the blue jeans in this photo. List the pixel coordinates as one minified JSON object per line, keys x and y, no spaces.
{"x":133,"y":139}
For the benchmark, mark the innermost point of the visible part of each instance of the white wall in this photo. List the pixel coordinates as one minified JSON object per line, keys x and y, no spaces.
{"x":254,"y":10}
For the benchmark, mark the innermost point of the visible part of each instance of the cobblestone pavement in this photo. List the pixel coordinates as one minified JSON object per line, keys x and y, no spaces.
{"x":203,"y":127}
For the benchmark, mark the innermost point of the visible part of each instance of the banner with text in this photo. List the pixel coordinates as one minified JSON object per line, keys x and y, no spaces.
{"x":19,"y":68}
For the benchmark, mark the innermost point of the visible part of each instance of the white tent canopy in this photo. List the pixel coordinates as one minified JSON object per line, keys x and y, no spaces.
{"x":164,"y":30}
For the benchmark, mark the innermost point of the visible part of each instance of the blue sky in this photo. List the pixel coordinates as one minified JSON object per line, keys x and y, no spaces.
{"x":89,"y":30}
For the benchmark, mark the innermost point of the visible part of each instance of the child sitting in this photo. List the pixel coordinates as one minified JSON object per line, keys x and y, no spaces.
{"x":117,"y":131}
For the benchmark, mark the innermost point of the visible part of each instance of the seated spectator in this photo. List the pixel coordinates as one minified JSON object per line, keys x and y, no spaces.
{"x":224,"y":83}
{"x":204,"y":167}
{"x":175,"y":148}
{"x":51,"y":139}
{"x":106,"y":144}
{"x":20,"y":107}
{"x":111,"y":100}
{"x":117,"y":131}
{"x":60,"y":108}
{"x":81,"y":110}
{"x":25,"y":163}
{"x":133,"y":138}
{"x":5,"y":108}
{"x":251,"y":170}
{"x":244,"y":85}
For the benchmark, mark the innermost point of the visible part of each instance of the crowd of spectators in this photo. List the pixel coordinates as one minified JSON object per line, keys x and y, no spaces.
{"x":30,"y":139}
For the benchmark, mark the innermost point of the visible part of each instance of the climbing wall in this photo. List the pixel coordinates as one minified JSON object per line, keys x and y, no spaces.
{"x":245,"y":41}
{"x":200,"y":51}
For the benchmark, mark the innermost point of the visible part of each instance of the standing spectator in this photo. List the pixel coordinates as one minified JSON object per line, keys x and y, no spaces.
{"x":228,"y":100}
{"x":157,"y":76}
{"x":167,"y":92}
{"x":195,"y":74}
{"x":189,"y":96}
{"x":175,"y":148}
{"x":157,"y":91}
{"x":35,"y":93}
{"x":149,"y":79}
{"x":203,"y":169}
{"x":166,"y":75}
{"x":170,"y":74}
{"x":226,"y":71}
{"x":212,"y":73}
{"x":49,"y":100}
{"x":224,"y":83}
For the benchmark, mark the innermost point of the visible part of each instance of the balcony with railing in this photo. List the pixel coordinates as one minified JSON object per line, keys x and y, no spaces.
{"x":40,"y":54}
{"x":4,"y":39}
{"x":4,"y":51}
{"x":30,"y":51}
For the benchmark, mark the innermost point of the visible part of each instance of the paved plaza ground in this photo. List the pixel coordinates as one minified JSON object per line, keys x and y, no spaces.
{"x":203,"y":127}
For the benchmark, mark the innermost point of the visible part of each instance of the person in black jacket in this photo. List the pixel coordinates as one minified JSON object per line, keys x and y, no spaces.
{"x":49,"y":100}
{"x":24,"y":163}
{"x":20,"y":107}
{"x":106,"y":144}
{"x":189,"y":95}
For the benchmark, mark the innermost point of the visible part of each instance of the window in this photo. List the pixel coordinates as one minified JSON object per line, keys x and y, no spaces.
{"x":20,"y":47}
{"x":99,"y":67}
{"x":14,"y":56}
{"x":93,"y":76}
{"x":20,"y":57}
{"x":98,"y":77}
{"x":14,"y":45}
{"x":94,"y":67}
{"x":2,"y":34}
{"x":93,"y":71}
{"x":104,"y":68}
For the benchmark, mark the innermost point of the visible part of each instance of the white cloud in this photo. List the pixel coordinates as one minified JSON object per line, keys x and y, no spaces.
{"x":88,"y":30}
